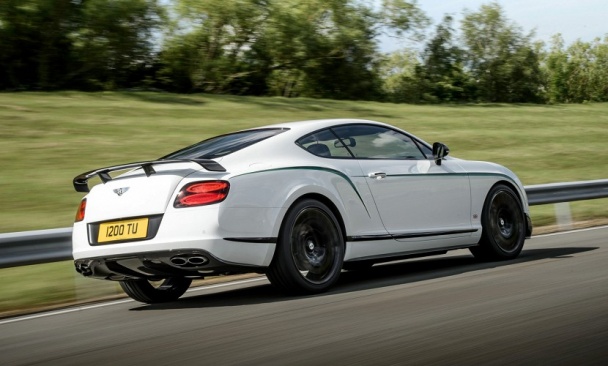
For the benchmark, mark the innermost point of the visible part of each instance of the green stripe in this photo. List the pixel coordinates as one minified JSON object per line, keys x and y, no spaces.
{"x":447,"y":175}
{"x":318,"y":168}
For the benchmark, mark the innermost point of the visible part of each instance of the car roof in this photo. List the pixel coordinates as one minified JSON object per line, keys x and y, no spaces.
{"x":302,"y":127}
{"x":266,"y":149}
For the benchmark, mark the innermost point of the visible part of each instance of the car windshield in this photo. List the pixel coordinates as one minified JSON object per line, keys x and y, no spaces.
{"x":219,"y":146}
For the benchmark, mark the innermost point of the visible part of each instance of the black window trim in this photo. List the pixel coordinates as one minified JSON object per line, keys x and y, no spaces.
{"x":282,"y":129}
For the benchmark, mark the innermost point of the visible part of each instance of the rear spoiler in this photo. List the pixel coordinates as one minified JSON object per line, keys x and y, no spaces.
{"x":81,"y":181}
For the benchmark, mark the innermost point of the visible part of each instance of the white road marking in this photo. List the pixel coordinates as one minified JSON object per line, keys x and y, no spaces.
{"x":239,"y":282}
{"x":571,"y":231}
{"x":118,"y":302}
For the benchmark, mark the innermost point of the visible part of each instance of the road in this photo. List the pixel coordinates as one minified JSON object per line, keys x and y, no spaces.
{"x":548,"y":307}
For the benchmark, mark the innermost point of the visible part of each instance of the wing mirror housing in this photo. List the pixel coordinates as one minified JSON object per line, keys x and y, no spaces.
{"x":439,"y":152}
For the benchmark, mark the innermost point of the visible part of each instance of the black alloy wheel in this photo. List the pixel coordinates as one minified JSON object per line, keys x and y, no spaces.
{"x":310,"y":251}
{"x":504,"y":226}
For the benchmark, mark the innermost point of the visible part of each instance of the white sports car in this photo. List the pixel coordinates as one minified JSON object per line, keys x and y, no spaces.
{"x":297,"y":201}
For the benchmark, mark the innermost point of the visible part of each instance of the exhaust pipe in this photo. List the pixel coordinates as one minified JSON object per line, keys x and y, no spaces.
{"x":179,"y":261}
{"x":184,"y":260}
{"x":197,"y":260}
{"x":84,"y":269}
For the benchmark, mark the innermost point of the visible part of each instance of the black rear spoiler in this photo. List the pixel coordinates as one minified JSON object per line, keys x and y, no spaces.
{"x":81,"y":181}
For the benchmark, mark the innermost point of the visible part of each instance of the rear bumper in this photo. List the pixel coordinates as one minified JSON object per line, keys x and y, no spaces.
{"x":186,"y":230}
{"x":192,"y":263}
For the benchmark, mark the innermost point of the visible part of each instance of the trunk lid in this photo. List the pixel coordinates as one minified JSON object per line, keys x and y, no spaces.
{"x":135,"y":194}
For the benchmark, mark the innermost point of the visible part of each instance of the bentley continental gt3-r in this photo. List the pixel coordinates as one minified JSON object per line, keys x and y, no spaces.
{"x":299,"y":202}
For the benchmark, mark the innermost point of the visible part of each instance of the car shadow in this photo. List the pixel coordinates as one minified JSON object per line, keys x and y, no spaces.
{"x":378,"y":276}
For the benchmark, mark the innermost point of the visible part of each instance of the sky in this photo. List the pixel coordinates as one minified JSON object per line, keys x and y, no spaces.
{"x":574,"y":19}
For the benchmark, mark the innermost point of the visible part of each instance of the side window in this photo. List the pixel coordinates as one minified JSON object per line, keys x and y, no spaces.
{"x":377,"y":142}
{"x":425,"y":149}
{"x":325,"y":144}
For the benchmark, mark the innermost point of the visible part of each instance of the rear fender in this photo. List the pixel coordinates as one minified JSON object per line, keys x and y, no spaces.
{"x":267,"y":190}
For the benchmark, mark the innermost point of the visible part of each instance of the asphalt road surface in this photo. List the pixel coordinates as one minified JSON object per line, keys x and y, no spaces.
{"x":548,"y":307}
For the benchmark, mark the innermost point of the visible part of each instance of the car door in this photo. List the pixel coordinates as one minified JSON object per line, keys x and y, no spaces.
{"x":415,"y":197}
{"x":363,"y":221}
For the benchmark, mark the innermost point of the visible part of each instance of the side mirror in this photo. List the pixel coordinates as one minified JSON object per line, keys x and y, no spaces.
{"x":439,"y":152}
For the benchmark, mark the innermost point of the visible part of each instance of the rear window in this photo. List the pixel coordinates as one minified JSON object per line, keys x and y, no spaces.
{"x":223,"y":145}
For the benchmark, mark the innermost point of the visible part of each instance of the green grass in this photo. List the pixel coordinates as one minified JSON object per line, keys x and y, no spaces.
{"x":44,"y":285}
{"x":48,"y":138}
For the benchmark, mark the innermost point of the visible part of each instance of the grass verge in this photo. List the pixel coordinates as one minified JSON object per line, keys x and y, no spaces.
{"x":48,"y":138}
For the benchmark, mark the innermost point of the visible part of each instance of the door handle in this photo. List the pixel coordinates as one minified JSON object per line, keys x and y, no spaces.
{"x":377,"y":175}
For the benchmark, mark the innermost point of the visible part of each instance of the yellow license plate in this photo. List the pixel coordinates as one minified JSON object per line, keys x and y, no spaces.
{"x":123,"y":230}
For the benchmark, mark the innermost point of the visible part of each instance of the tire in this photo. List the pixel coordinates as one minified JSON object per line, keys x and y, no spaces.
{"x":310,"y":250}
{"x":144,"y":291}
{"x":504,"y":226}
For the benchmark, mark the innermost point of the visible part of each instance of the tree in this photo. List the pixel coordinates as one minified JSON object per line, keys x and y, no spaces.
{"x":209,"y":42}
{"x":441,"y":73}
{"x":401,"y":17}
{"x":326,"y":47}
{"x":578,"y":73}
{"x":48,"y":44}
{"x":346,"y":64}
{"x":500,"y":57}
{"x":318,"y":48}
{"x":397,"y":71}
{"x":34,"y":44}
{"x":114,"y":39}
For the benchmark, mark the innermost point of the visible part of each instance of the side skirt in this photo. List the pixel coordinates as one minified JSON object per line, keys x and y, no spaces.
{"x":409,"y":235}
{"x":407,"y":255}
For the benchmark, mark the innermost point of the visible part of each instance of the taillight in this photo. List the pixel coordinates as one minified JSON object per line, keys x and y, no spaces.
{"x":202,"y":193}
{"x":81,"y":209}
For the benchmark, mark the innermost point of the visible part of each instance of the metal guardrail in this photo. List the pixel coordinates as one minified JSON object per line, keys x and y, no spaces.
{"x":45,"y":246}
{"x":34,"y":247}
{"x":542,"y":194}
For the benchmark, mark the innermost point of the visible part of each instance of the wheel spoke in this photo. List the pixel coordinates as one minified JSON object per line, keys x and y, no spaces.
{"x":504,"y":225}
{"x":314,"y":243}
{"x":505,"y":221}
{"x":310,"y":250}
